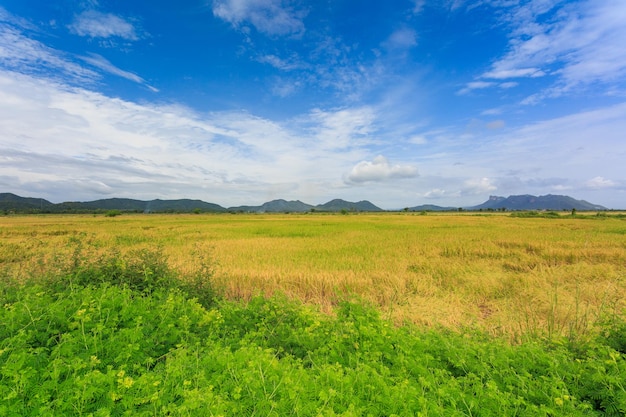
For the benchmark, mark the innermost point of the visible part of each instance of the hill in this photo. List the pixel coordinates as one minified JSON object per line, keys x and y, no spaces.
{"x":275,"y":206}
{"x":431,"y":207}
{"x":282,"y":206}
{"x":339,"y":205}
{"x":531,"y":202}
{"x":12,"y":202}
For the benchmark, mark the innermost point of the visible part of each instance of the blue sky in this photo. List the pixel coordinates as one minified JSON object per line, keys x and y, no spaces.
{"x":243,"y":101}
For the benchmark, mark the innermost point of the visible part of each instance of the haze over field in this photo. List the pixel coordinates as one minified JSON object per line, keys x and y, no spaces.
{"x":244,"y":101}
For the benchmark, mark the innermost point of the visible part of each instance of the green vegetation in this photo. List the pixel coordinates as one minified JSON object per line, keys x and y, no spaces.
{"x":125,"y":334}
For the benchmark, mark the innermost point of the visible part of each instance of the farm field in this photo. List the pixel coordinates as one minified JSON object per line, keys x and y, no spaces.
{"x":502,"y":274}
{"x":312,"y":315}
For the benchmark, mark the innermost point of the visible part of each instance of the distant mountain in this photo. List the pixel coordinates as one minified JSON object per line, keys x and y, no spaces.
{"x":281,"y":206}
{"x":9,"y":201}
{"x":531,"y":202}
{"x":431,"y":207}
{"x":12,"y":202}
{"x":275,"y":206}
{"x":339,"y":205}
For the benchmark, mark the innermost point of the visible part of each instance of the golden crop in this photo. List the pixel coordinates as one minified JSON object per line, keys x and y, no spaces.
{"x":509,"y":276}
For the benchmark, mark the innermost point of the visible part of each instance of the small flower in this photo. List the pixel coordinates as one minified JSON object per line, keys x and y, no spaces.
{"x":127,"y":382}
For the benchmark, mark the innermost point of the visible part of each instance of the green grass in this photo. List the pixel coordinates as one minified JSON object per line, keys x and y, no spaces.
{"x":125,"y":335}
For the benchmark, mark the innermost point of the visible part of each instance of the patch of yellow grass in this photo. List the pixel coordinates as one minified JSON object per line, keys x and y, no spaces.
{"x":506,"y":275}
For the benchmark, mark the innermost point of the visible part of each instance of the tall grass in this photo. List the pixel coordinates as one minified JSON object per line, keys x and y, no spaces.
{"x":505,"y":275}
{"x":121,"y":334}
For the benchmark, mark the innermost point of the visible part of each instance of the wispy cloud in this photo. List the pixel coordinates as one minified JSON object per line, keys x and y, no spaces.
{"x":22,"y":53}
{"x":402,"y":38}
{"x":285,"y":64}
{"x":168,"y":150}
{"x":474,"y":85}
{"x":418,"y":6}
{"x":102,"y":63}
{"x":95,"y":24}
{"x":577,"y":44}
{"x":271,"y":17}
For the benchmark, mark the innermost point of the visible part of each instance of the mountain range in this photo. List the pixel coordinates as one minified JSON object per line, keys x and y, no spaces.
{"x":13,"y":203}
{"x":522,"y":202}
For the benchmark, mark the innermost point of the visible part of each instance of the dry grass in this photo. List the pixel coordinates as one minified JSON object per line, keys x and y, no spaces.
{"x":507,"y":275}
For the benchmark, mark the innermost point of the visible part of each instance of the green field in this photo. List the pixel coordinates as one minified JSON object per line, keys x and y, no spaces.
{"x":313,"y":314}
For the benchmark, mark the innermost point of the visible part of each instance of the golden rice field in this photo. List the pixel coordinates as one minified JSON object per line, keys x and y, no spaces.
{"x":509,"y":276}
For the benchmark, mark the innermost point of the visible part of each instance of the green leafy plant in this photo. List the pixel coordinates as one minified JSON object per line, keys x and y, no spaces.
{"x":121,"y":334}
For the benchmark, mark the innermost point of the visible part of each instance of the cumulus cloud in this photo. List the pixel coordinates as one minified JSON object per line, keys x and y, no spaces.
{"x":379,"y":169}
{"x":476,"y":186}
{"x":95,"y":24}
{"x":272,"y":17}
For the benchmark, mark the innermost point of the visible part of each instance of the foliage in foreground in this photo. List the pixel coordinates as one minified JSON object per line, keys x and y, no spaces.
{"x":110,"y":343}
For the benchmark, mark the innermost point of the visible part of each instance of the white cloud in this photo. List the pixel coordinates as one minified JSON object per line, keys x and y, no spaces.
{"x":343,"y":128}
{"x":436,"y":193}
{"x":403,"y":38}
{"x":95,"y":24}
{"x":492,"y":112}
{"x":502,"y":71}
{"x":478,"y":186}
{"x":600,"y":183}
{"x":418,"y":140}
{"x":285,"y":88}
{"x":474,"y":85}
{"x":148,"y":151}
{"x":102,"y":63}
{"x":379,"y":169}
{"x":27,"y":56}
{"x":289,"y":64}
{"x":579,"y":44}
{"x":418,"y":6}
{"x":18,"y":52}
{"x":509,"y":84}
{"x":272,"y":17}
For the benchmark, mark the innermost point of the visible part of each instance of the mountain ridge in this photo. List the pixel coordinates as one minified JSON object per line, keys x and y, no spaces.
{"x":10,"y":202}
